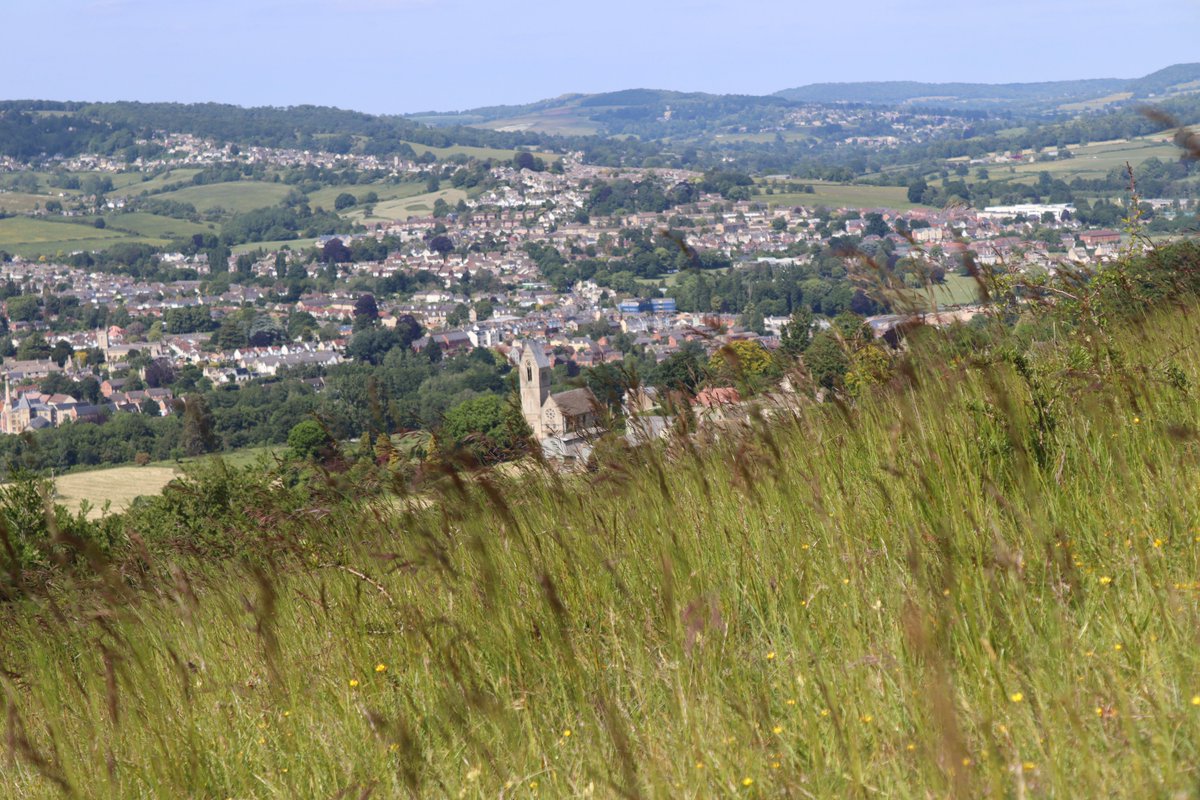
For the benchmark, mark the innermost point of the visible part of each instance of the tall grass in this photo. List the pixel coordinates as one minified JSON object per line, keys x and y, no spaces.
{"x":981,"y":581}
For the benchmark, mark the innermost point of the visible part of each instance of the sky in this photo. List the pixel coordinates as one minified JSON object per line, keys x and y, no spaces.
{"x":406,"y":56}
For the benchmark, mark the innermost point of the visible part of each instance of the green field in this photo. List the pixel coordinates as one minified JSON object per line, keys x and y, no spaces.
{"x":291,"y":244}
{"x":1093,"y":160}
{"x":385,"y":191}
{"x":34,"y":237}
{"x":153,"y":226}
{"x":21,"y":202}
{"x":843,"y":195}
{"x":477,"y":152}
{"x":957,"y":290}
{"x":419,"y":205}
{"x":1098,"y":103}
{"x":234,"y":196}
{"x":136,"y":187}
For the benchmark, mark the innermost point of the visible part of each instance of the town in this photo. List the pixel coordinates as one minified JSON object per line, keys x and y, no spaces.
{"x":592,"y":263}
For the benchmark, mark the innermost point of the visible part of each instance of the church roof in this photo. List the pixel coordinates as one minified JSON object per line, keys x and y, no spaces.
{"x":539,"y":355}
{"x":575,"y":402}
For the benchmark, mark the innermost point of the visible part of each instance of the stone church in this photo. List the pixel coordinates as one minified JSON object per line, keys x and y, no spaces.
{"x":561,"y":422}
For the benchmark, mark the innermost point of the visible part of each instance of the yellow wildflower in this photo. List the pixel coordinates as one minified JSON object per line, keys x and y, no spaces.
{"x":353,"y":682}
{"x":1016,"y":697}
{"x":747,"y":781}
{"x":381,"y":667}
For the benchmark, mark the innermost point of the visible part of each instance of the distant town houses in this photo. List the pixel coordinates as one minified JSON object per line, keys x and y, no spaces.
{"x":494,"y":242}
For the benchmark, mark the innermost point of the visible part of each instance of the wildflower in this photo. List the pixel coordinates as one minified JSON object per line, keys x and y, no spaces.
{"x":381,"y":667}
{"x":1029,"y":766}
{"x":791,"y":702}
{"x":771,"y":655}
{"x":1105,"y":580}
{"x":566,"y":733}
{"x":1158,"y":542}
{"x":867,"y":718}
{"x":824,"y":712}
{"x":966,"y":762}
{"x":910,"y":747}
{"x":1196,"y":700}
{"x":533,"y":784}
{"x":778,"y":729}
{"x":1117,"y":646}
{"x":1136,"y":420}
{"x":845,"y":580}
{"x":774,"y":765}
{"x":747,"y":781}
{"x":1016,"y":697}
{"x":699,"y":765}
{"x":353,"y":682}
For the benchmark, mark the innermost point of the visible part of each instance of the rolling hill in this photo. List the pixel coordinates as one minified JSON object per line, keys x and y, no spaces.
{"x":1047,"y":95}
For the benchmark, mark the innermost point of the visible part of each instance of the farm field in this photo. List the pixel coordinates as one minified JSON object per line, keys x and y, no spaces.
{"x":401,"y":208}
{"x":156,"y":227}
{"x":386,"y":191}
{"x":1093,"y":160}
{"x":136,"y":187}
{"x":957,"y":290}
{"x":121,"y":484}
{"x":291,"y":244}
{"x":476,"y":152}
{"x":236,"y":196}
{"x":117,"y":485}
{"x":843,"y":195}
{"x":559,"y":122}
{"x":34,"y":237}
{"x":21,"y":202}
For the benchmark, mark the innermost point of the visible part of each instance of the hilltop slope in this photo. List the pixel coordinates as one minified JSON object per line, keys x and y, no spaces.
{"x":981,"y":580}
{"x":1024,"y":96}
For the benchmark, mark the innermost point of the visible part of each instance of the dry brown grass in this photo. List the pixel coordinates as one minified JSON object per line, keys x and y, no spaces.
{"x":119,"y":486}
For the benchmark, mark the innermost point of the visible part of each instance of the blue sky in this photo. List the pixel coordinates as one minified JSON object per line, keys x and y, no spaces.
{"x":397,"y":56}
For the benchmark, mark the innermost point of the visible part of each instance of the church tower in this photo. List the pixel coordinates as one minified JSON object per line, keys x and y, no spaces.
{"x":534,"y":378}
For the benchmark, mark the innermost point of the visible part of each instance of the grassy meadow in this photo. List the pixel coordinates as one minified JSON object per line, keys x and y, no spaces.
{"x":843,"y":195}
{"x":117,"y":486}
{"x":980,"y":582}
{"x":233,"y":196}
{"x":29,"y":237}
